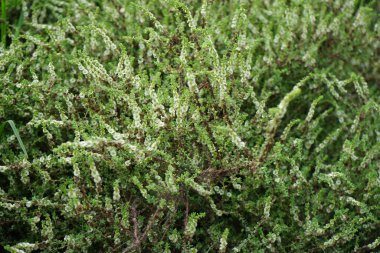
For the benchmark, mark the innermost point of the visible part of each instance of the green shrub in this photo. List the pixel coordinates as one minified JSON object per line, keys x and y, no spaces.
{"x":192,"y":126}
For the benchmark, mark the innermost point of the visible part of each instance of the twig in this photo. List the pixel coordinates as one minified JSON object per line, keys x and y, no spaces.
{"x":186,"y":212}
{"x":135,"y":225}
{"x":139,"y":240}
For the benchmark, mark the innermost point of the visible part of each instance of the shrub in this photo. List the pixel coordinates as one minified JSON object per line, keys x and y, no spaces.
{"x":192,"y":126}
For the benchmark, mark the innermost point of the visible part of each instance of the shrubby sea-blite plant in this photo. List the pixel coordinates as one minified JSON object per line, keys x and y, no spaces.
{"x":190,"y":126}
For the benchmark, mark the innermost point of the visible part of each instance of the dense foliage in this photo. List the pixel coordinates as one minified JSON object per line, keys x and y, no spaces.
{"x":190,"y":126}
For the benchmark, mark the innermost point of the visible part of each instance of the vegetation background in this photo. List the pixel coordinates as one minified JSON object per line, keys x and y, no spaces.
{"x":190,"y":126}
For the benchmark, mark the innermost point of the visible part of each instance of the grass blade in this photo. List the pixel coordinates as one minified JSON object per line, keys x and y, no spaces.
{"x":2,"y":128}
{"x":16,"y":133}
{"x":20,"y":21}
{"x":3,"y":22}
